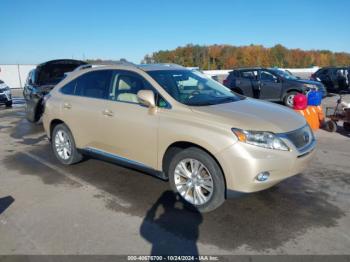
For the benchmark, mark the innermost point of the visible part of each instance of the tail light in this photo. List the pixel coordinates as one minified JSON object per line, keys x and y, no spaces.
{"x":43,"y":102}
{"x":225,"y":82}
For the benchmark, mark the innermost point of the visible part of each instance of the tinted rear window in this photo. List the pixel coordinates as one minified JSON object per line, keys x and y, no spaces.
{"x":94,"y":84}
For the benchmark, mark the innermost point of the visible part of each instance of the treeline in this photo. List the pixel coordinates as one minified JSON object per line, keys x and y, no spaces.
{"x":99,"y":61}
{"x":227,"y":56}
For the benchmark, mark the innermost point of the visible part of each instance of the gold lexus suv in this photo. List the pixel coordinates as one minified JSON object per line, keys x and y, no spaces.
{"x":178,"y":125}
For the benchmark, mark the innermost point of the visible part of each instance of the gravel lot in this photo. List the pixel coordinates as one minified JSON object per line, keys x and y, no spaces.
{"x":98,"y":208}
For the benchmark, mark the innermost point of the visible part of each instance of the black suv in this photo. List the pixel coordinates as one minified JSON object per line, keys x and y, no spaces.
{"x":41,"y":80}
{"x":270,"y":84}
{"x":334,"y":78}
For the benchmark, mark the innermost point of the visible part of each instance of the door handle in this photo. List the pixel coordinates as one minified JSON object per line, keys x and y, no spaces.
{"x":107,"y":112}
{"x":67,"y":106}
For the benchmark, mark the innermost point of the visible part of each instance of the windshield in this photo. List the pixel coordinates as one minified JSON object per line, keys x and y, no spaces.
{"x":193,"y":88}
{"x":284,"y":74}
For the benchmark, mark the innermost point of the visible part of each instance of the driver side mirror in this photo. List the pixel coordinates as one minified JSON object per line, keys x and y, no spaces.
{"x":146,"y":97}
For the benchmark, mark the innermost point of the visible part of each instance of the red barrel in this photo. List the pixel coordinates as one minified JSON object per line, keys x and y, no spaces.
{"x":299,"y":102}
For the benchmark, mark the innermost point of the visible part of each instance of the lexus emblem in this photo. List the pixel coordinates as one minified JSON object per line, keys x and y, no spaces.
{"x":306,"y":137}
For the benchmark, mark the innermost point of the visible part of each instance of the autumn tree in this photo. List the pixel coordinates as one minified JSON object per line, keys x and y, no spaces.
{"x":228,"y":56}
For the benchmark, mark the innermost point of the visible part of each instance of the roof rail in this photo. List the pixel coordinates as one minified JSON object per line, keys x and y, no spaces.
{"x":163,"y":64}
{"x":122,"y":62}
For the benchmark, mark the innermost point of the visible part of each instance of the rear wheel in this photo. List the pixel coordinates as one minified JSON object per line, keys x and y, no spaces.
{"x":198,"y":179}
{"x":331,"y":126}
{"x":8,"y":104}
{"x":289,"y":99}
{"x":63,"y":145}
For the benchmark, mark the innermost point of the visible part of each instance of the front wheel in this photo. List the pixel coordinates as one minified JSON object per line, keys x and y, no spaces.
{"x":289,"y":99}
{"x":63,"y":145}
{"x":198,"y":179}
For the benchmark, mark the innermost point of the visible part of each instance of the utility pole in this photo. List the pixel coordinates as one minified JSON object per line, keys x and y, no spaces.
{"x":19,"y":76}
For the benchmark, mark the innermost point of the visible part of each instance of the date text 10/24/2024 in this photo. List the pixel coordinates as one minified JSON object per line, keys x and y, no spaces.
{"x":173,"y":258}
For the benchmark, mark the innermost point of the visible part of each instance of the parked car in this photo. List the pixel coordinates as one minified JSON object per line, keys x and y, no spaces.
{"x":334,"y":78}
{"x":269,"y":84}
{"x":41,"y":80}
{"x":177,"y":124}
{"x":5,"y":94}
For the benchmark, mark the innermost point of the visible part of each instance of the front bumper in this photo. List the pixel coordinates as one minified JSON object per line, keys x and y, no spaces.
{"x":242,"y":163}
{"x":5,"y":98}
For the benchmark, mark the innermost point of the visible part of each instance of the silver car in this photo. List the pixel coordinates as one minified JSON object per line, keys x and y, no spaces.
{"x":5,"y":94}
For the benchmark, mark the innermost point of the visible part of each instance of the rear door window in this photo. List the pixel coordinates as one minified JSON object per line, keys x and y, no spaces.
{"x":252,"y":74}
{"x":267,"y":76}
{"x":324,"y":72}
{"x":94,"y":84}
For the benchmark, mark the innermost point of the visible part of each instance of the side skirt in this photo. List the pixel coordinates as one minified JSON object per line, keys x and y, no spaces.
{"x":115,"y":159}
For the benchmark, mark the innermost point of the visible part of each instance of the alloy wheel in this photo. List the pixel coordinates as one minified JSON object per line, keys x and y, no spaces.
{"x":63,"y":145}
{"x":193,"y":181}
{"x":290,"y":100}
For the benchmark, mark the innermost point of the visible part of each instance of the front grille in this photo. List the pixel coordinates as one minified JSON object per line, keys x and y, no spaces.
{"x":3,"y":98}
{"x":300,"y":137}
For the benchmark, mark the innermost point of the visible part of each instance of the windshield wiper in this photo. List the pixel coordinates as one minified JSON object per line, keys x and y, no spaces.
{"x":226,"y":99}
{"x":213,"y":102}
{"x":206,"y":103}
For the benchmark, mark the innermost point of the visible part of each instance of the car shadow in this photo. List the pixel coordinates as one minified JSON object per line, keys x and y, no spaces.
{"x":342,"y":131}
{"x":170,"y":214}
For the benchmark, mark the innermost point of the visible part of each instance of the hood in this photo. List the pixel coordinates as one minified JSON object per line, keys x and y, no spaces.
{"x":252,"y":114}
{"x":309,"y":82}
{"x":304,"y":81}
{"x":52,"y":72}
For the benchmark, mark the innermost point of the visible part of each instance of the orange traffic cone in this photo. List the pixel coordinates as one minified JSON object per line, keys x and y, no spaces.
{"x":311,"y":117}
{"x":314,"y":121}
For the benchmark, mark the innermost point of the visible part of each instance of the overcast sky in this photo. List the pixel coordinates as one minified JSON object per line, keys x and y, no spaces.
{"x":34,"y":31}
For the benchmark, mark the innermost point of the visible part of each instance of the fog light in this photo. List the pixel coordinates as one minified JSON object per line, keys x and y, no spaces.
{"x":263,"y":176}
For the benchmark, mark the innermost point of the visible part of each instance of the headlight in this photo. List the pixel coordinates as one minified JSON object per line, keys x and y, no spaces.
{"x":260,"y":138}
{"x":7,"y":90}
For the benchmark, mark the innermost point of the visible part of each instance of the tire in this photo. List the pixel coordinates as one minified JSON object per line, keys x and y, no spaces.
{"x":238,"y":91}
{"x":8,"y":104}
{"x":68,"y":154}
{"x":210,"y":172}
{"x":331,"y":126}
{"x":346,"y":126}
{"x":288,"y":99}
